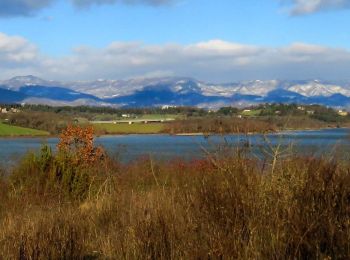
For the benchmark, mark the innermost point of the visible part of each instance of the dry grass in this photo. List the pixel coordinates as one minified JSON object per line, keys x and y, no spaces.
{"x":233,"y":207}
{"x":220,"y":125}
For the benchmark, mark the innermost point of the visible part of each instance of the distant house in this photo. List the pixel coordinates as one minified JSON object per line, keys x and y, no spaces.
{"x":167,"y":107}
{"x":301,"y":108}
{"x":4,"y":110}
{"x":342,"y":113}
{"x":125,"y":115}
{"x":14,"y":110}
{"x":310,"y":112}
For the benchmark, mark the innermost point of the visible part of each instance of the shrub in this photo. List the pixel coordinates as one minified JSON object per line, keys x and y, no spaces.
{"x":70,"y":172}
{"x":77,"y":144}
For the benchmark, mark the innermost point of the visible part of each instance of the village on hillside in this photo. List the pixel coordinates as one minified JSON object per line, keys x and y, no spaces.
{"x":6,"y":110}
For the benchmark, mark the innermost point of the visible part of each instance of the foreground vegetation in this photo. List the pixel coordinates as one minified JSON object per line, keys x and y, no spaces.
{"x":80,"y":204}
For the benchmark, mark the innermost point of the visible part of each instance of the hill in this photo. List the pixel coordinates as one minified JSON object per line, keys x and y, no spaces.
{"x":173,"y":91}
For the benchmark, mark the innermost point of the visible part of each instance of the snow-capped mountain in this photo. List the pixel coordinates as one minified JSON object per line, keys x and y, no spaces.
{"x":317,"y":88}
{"x":21,"y":81}
{"x":172,"y":91}
{"x":104,"y":88}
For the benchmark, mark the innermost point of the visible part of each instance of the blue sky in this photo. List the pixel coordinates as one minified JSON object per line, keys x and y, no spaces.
{"x":56,"y":32}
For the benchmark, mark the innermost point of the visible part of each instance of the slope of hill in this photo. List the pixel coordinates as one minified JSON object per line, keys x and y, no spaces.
{"x":54,"y":93}
{"x":9,"y":96}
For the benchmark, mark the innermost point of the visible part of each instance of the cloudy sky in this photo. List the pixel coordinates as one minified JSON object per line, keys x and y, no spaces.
{"x":219,"y":41}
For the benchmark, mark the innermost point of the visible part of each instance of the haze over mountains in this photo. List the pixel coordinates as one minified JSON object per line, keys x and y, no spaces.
{"x":175,"y":91}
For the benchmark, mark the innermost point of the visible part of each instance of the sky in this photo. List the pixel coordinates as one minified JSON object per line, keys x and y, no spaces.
{"x":217,"y":41}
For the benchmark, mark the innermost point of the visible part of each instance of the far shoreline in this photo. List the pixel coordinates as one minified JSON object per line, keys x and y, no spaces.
{"x":174,"y":134}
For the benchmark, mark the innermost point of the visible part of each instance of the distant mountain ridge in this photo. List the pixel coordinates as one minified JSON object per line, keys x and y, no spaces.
{"x":177,"y":91}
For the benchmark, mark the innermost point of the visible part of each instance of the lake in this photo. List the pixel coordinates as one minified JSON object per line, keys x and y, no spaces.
{"x":166,"y":147}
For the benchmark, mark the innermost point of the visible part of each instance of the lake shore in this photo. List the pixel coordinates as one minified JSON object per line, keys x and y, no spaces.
{"x":177,"y":134}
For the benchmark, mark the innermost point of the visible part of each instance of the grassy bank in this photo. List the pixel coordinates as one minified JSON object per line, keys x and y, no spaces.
{"x":79,"y":204}
{"x":137,"y":128}
{"x":262,"y":124}
{"x":9,"y":130}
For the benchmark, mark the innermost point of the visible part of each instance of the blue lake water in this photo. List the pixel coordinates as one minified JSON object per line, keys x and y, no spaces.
{"x":165,"y":147}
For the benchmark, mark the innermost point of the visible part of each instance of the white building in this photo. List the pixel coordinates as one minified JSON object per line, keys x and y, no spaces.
{"x":3,"y":110}
{"x":167,"y":107}
{"x":342,"y":113}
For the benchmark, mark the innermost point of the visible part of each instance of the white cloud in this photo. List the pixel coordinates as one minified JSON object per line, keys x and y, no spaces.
{"x":302,"y":7}
{"x":214,"y":60}
{"x":16,"y":51}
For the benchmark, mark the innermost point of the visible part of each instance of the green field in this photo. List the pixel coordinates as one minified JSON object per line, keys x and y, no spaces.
{"x":103,"y":117}
{"x":159,"y":116}
{"x":9,"y":130}
{"x":255,"y":112}
{"x":137,"y":128}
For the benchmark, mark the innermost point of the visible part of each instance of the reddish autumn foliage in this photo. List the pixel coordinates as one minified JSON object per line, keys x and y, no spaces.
{"x":78,"y":142}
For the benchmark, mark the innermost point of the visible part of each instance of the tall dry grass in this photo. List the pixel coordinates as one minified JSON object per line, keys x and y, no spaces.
{"x":232,"y":206}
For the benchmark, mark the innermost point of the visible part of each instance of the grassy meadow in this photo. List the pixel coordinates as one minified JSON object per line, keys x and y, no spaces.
{"x":80,"y":204}
{"x":9,"y":130}
{"x":136,"y":128}
{"x":253,"y":112}
{"x":160,"y":116}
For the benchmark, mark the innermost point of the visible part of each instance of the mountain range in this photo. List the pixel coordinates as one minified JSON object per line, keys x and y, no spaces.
{"x":174,"y":91}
